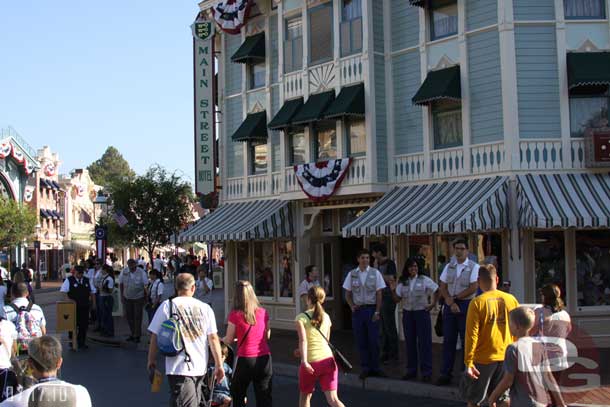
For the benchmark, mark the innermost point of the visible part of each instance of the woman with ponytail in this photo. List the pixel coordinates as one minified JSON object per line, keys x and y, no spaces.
{"x":317,"y":361}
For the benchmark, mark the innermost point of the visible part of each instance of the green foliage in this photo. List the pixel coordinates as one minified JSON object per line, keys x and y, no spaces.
{"x":110,"y":168}
{"x":156,"y":205}
{"x":17,"y":222}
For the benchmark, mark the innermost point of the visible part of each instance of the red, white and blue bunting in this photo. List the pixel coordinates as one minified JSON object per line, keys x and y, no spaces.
{"x":320,"y":180}
{"x":231,"y":15}
{"x":28,"y":193}
{"x":28,"y":167}
{"x":5,"y":149}
{"x":49,"y":169}
{"x":18,"y":155}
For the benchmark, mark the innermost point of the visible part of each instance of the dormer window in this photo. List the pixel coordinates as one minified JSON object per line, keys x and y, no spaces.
{"x":443,"y":19}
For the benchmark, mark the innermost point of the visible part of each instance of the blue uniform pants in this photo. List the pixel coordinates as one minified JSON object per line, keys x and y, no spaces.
{"x":107,"y":321}
{"x":417,"y":327}
{"x":367,"y":337}
{"x":453,"y":324}
{"x":99,"y":317}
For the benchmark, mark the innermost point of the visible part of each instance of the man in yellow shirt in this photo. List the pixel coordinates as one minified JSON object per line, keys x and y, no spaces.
{"x":487,"y":336}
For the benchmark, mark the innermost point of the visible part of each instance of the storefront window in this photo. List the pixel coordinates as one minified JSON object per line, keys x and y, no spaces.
{"x":549,"y":260}
{"x":327,"y":272}
{"x":243,"y":263}
{"x":420,"y":247}
{"x":488,"y":250}
{"x":593,"y":267}
{"x":285,"y":272}
{"x":263,"y":269}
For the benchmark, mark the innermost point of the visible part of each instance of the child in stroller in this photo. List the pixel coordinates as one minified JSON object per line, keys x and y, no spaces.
{"x":221,"y":394}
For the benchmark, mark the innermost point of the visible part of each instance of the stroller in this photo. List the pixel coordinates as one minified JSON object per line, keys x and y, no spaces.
{"x":208,"y":388}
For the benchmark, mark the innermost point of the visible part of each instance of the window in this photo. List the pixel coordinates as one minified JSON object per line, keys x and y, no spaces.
{"x":355,"y":137}
{"x":293,"y":45}
{"x":549,"y":262}
{"x":297,"y":144}
{"x":243,"y":261}
{"x":325,"y":142}
{"x":593,"y":268}
{"x":584,"y":9}
{"x":420,"y":247}
{"x":263,"y":269}
{"x":447,"y":124}
{"x":443,"y":19}
{"x":327,"y":269}
{"x":351,"y":27}
{"x":258,"y":154}
{"x":256,"y":75}
{"x":285,"y":269}
{"x":321,"y":33}
{"x":588,"y":110}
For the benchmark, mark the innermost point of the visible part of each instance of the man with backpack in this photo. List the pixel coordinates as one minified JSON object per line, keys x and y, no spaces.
{"x":79,"y":289}
{"x":27,"y":317}
{"x":181,"y":330}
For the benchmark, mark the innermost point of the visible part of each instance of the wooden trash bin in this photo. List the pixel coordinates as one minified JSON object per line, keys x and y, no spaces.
{"x":66,"y":319}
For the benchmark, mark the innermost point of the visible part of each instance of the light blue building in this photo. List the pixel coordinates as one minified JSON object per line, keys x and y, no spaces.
{"x":481,"y":112}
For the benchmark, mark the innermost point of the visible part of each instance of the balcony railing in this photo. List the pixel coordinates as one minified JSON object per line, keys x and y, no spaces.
{"x":447,"y":163}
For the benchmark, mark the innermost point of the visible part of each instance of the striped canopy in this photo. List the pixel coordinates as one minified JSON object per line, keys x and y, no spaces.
{"x":260,"y":220}
{"x":564,"y":200}
{"x":449,"y":207}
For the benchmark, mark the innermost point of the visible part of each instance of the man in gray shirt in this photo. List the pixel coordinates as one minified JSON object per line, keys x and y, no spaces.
{"x":132,"y":283}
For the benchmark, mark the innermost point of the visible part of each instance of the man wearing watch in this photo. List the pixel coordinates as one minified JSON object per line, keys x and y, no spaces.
{"x":458,"y":285}
{"x":363,"y":292}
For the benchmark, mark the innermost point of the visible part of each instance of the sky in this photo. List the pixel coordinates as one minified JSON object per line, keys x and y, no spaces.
{"x":80,"y":76}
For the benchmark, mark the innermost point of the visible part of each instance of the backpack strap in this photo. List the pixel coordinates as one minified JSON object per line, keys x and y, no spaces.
{"x":14,"y":307}
{"x":29,"y":307}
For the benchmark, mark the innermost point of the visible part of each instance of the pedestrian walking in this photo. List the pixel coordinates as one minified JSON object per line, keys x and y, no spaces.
{"x":185,"y":371}
{"x":205,"y":286}
{"x":97,"y":283}
{"x":363,"y":286}
{"x":132,"y":283}
{"x":418,"y":294}
{"x":317,"y":361}
{"x":79,"y":289}
{"x":154,"y":293}
{"x":487,"y":336}
{"x":248,"y":323}
{"x":107,"y":301}
{"x":458,"y":285}
{"x":8,"y":378}
{"x":389,"y":334}
{"x":3,"y":291}
{"x":158,"y":264}
{"x":312,"y":279}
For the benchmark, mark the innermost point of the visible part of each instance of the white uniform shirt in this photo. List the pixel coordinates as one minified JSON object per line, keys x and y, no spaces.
{"x":35,"y":312}
{"x":156,"y":290}
{"x":201,"y":294}
{"x":127,"y":277}
{"x":429,"y":285}
{"x":21,"y":400}
{"x":379,"y":284}
{"x":305,"y":286}
{"x":8,"y":333}
{"x":474,"y":275}
{"x":65,"y":286}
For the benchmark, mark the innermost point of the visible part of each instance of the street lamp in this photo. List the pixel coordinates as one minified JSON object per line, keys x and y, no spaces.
{"x":101,"y":231}
{"x":37,"y":255}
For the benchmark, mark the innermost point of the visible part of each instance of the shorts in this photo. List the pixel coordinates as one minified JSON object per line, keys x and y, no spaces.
{"x":325,"y":371}
{"x":476,"y":391}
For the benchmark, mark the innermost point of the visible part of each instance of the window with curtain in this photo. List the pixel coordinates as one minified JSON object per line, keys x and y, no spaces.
{"x":584,"y":9}
{"x":293,"y":44}
{"x":258,"y":154}
{"x":447,"y":124}
{"x":257,"y":75}
{"x":443,"y":19}
{"x":356,"y":137}
{"x":351,"y":27}
{"x":321,"y":33}
{"x":549,"y":261}
{"x":588,"y":111}
{"x":593,"y":267}
{"x":263,"y":268}
{"x":243,"y":261}
{"x":285,"y":269}
{"x":325,"y":142}
{"x":296,"y":147}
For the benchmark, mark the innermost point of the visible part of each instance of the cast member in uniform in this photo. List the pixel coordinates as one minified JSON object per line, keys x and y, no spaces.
{"x":133,"y":281}
{"x":107,"y":300}
{"x":79,"y":289}
{"x":363,"y":287}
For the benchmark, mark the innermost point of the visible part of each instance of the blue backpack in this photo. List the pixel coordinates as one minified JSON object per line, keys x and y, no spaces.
{"x":169,"y":339}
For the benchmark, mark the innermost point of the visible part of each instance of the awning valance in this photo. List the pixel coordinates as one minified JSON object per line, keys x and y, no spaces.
{"x":588,"y":69}
{"x":56,"y":185}
{"x":314,"y":108}
{"x":441,"y":84}
{"x":44,"y":214}
{"x":253,"y":128}
{"x":564,"y":200}
{"x":449,"y":207}
{"x":260,"y":220}
{"x":283,"y":118}
{"x":350,"y":102}
{"x":252,"y":50}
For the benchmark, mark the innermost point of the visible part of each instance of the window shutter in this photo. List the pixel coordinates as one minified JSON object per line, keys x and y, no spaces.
{"x":321,"y":29}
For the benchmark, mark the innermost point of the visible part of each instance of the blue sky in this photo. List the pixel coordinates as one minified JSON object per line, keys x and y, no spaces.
{"x":82,"y":75}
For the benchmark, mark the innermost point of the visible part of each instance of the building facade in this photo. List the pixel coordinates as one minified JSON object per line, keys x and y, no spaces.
{"x":461,"y":117}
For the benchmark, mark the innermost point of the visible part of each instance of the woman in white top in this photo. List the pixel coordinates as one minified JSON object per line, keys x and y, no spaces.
{"x":155,"y":292}
{"x":312,"y":276}
{"x":204,"y":286}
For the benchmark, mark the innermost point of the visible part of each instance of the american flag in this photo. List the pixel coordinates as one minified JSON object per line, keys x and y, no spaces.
{"x":119,"y":218}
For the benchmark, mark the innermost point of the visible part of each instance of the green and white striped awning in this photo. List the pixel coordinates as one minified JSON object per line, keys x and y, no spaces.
{"x":449,"y":207}
{"x":564,"y":200}
{"x":258,"y":220}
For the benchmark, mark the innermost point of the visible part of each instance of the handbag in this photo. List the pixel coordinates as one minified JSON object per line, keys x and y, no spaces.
{"x":438,"y":326}
{"x":238,"y":346}
{"x":344,"y":365}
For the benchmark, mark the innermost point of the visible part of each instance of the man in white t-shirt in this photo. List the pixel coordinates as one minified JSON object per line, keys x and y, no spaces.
{"x":8,"y":336}
{"x":45,"y":360}
{"x":21,"y":302}
{"x":198,"y":329}
{"x":159,"y":264}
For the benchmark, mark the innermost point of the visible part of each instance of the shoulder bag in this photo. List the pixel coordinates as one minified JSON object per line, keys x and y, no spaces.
{"x":344,"y":365}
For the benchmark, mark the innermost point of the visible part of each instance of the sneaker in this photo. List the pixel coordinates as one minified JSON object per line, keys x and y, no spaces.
{"x":409,"y":376}
{"x":443,"y":380}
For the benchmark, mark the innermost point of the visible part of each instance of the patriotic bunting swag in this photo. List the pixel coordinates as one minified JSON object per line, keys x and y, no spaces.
{"x":18,"y":155}
{"x":29,"y":193}
{"x":231,"y":15}
{"x":5,"y":149}
{"x":320,"y":180}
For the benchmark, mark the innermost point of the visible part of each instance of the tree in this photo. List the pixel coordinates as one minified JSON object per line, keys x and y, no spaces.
{"x":156,"y":205}
{"x":17,"y":222}
{"x":110,"y":168}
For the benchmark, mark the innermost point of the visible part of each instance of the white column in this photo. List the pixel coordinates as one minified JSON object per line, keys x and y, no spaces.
{"x":368,"y":69}
{"x":244,"y":104}
{"x":389,"y":89}
{"x":564,"y":97}
{"x":465,"y":85}
{"x":426,"y":114}
{"x":268,"y":103}
{"x":223,"y":138}
{"x":305,"y":30}
{"x":517,"y":253}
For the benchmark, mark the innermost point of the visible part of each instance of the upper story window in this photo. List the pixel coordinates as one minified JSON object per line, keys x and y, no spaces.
{"x":256,"y":75}
{"x":584,"y":9}
{"x":447,"y":123}
{"x":296,"y":147}
{"x":351,"y":27}
{"x":355,"y":132}
{"x":293,"y":44}
{"x":443,"y":19}
{"x":321,"y":33}
{"x":588,"y":109}
{"x":258,"y":154}
{"x":325,"y":141}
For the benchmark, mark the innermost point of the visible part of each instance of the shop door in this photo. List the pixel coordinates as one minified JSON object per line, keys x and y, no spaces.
{"x":327,"y":256}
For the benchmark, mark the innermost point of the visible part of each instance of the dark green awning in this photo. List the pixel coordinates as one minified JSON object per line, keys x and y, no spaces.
{"x":441,"y":84}
{"x":419,"y":3}
{"x":283,"y":118}
{"x":350,"y":102}
{"x":314,"y":108}
{"x":588,"y":69}
{"x":253,"y":128}
{"x":252,"y":50}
